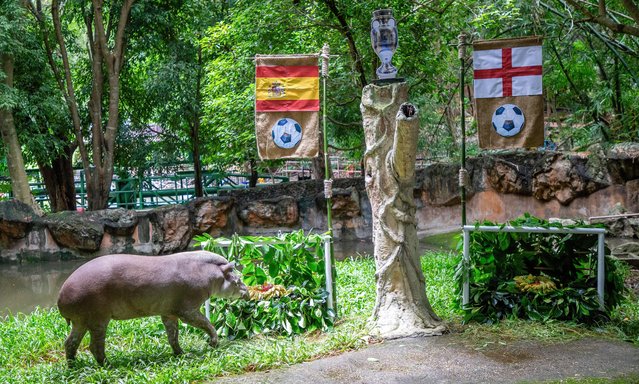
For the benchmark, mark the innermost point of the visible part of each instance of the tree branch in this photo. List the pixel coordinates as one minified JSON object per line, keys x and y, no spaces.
{"x":360,"y":146}
{"x":348,"y":34}
{"x":604,"y":19}
{"x":357,"y":124}
{"x":632,"y":9}
{"x":36,"y":11}
{"x":69,"y":95}
{"x":427,"y":5}
{"x":119,"y":37}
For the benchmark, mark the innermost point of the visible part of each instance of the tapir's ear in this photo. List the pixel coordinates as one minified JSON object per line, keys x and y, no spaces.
{"x":226,"y":268}
{"x":237,"y":266}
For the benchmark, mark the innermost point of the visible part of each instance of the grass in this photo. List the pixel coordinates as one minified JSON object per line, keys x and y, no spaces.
{"x":31,"y":346}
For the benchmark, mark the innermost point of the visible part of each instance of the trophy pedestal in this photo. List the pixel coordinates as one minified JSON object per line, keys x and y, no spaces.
{"x":389,"y":81}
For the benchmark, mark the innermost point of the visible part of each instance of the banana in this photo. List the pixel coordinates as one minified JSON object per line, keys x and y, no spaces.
{"x":535,"y":284}
{"x":267,"y":291}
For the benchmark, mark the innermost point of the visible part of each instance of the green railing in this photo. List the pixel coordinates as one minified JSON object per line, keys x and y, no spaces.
{"x":154,"y":191}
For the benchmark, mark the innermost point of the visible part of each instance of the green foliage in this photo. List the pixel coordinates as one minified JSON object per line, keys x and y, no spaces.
{"x":294,"y":260}
{"x":175,"y":48}
{"x":569,"y":260}
{"x":5,"y":182}
{"x":300,"y":311}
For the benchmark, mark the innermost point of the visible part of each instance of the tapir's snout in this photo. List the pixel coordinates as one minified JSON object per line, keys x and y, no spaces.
{"x":244,"y":293}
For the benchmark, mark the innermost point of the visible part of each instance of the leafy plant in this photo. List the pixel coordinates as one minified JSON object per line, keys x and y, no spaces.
{"x":300,"y":311}
{"x":293,"y":260}
{"x":501,"y":261}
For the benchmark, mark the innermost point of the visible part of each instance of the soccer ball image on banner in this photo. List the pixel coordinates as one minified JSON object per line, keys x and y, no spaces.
{"x":286,"y":133}
{"x":508,"y":120}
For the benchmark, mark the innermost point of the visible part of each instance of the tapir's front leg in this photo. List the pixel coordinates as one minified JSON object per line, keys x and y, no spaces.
{"x":197,"y":319}
{"x":171,"y":326}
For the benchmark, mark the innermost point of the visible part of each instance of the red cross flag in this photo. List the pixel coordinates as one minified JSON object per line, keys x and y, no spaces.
{"x":508,"y":92}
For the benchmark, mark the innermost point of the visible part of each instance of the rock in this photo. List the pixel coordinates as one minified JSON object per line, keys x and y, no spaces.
{"x":626,"y":249}
{"x":274,"y":212}
{"x":438,"y":184}
{"x":16,"y":218}
{"x":171,"y":228}
{"x":117,"y":222}
{"x":210,"y":214}
{"x":564,"y":178}
{"x":507,"y":177}
{"x":632,"y":195}
{"x":628,"y":252}
{"x":563,"y":222}
{"x":620,"y":226}
{"x":75,"y":230}
{"x":346,"y":203}
{"x":623,"y":162}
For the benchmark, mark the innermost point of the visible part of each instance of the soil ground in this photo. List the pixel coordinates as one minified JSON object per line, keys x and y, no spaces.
{"x":451,"y":359}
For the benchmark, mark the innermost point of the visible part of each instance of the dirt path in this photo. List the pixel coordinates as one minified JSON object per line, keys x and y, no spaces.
{"x":448,"y":359}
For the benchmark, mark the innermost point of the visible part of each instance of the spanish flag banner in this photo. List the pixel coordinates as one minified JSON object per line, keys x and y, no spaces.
{"x":287,"y":106}
{"x":508,"y":92}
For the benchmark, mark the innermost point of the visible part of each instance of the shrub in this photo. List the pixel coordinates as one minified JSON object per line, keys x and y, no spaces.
{"x":537,"y":276}
{"x":294,"y":260}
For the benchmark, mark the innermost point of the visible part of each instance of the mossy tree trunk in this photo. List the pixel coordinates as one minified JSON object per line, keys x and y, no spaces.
{"x":9,"y":136}
{"x":391,"y":128}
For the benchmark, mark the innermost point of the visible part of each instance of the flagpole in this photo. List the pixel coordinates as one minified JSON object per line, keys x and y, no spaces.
{"x":328,"y":185}
{"x":463,"y":174}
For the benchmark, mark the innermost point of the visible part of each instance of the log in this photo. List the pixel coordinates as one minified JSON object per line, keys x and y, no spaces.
{"x":391,"y":127}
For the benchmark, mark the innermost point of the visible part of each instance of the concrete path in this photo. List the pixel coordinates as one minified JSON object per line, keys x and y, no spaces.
{"x":447,"y":359}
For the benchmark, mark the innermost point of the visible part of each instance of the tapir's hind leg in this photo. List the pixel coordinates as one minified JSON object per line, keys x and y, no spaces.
{"x":171,"y":326}
{"x":197,"y":319}
{"x":72,"y":342}
{"x":98,"y":334}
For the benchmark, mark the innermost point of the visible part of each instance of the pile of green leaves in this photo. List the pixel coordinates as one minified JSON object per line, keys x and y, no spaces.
{"x":570,"y":260}
{"x":294,"y":260}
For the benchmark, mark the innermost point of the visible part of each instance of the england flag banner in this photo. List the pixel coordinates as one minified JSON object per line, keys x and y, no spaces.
{"x":287,"y":106}
{"x":508,"y":92}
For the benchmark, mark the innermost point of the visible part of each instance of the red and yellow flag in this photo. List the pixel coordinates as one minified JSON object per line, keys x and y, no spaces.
{"x":286,"y":106}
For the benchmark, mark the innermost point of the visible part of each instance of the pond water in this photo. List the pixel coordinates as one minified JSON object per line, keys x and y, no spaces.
{"x":23,"y":287}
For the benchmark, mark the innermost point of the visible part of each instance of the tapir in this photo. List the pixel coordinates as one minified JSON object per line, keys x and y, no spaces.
{"x":130,"y":286}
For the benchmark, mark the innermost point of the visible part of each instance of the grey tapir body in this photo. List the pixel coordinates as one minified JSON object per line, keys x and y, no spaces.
{"x":130,"y":286}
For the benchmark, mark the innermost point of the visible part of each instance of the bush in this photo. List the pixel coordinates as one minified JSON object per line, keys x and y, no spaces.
{"x":537,"y":276}
{"x":294,"y":260}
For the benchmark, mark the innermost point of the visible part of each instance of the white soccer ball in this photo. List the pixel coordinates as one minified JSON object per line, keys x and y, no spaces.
{"x":508,"y":120}
{"x":286,"y":133}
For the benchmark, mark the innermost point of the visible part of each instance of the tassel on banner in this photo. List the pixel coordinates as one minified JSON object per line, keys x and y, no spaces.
{"x":325,"y":56}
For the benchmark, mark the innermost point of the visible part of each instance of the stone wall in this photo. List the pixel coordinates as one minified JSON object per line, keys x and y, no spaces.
{"x":502,"y":186}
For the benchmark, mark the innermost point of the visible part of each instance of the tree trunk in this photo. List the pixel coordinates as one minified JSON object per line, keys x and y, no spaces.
{"x":318,"y":169}
{"x":254,"y":175}
{"x":58,"y":178}
{"x":15,"y":162}
{"x":106,"y":63}
{"x":401,"y":308}
{"x":195,"y":128}
{"x":318,"y":166}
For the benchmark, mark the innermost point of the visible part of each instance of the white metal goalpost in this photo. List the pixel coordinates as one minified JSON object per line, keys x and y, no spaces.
{"x":600,"y":232}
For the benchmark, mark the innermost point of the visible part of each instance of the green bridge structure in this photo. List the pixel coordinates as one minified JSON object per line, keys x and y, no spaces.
{"x":154,"y":191}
